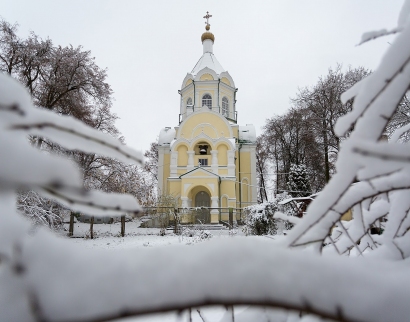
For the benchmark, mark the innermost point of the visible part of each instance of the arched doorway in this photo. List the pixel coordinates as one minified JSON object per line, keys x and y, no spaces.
{"x":202,"y":199}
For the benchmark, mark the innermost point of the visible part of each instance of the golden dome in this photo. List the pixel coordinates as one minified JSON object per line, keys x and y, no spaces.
{"x":208,"y":35}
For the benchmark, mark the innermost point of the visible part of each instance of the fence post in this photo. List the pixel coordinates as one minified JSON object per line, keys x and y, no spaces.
{"x":122,"y":226}
{"x":92,"y":227}
{"x":175,"y":221}
{"x":71,"y":228}
{"x":230,"y":218}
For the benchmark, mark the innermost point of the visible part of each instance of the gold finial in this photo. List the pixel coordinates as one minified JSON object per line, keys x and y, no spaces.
{"x":207,"y":34}
{"x":207,"y":16}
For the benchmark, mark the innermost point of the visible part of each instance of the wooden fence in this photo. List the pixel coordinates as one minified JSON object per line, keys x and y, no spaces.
{"x":175,"y":217}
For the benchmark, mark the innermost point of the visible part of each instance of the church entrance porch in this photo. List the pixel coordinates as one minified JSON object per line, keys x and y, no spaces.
{"x":203,"y":200}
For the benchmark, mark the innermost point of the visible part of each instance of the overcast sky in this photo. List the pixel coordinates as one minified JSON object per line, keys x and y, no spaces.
{"x":270,"y":48}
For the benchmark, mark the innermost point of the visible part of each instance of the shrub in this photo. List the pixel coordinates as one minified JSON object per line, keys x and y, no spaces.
{"x":259,"y":219}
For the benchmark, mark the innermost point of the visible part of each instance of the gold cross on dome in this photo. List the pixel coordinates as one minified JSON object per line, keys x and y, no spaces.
{"x":207,"y":18}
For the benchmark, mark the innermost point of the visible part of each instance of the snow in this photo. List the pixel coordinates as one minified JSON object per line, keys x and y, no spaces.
{"x":143,"y":278}
{"x":247,"y":134}
{"x":74,"y":134}
{"x":399,"y":132}
{"x":95,"y":203}
{"x":44,"y":277}
{"x":108,"y":236}
{"x":370,"y":35}
{"x":401,"y":23}
{"x":166,"y":136}
{"x":137,"y":239}
{"x":292,"y":219}
{"x":404,"y":14}
{"x":24,"y":166}
{"x":382,"y":167}
{"x":207,"y":60}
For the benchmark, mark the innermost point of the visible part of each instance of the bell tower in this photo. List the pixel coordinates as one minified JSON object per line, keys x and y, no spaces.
{"x":208,"y":84}
{"x":208,"y":159}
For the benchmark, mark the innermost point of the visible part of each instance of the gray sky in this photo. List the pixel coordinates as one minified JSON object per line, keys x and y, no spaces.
{"x":270,"y":48}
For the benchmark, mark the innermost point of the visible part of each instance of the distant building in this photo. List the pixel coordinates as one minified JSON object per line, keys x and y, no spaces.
{"x":208,"y":160}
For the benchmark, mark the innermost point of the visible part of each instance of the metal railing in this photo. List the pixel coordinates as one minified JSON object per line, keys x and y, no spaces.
{"x":191,"y":214}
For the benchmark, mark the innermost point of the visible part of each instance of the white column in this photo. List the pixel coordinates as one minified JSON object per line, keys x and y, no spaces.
{"x":198,"y":103}
{"x":173,"y":166}
{"x":161,"y":168}
{"x":253,"y":175}
{"x":231,"y":163}
{"x":190,"y":160}
{"x":214,"y":164}
{"x":184,"y":202}
{"x":214,"y":204}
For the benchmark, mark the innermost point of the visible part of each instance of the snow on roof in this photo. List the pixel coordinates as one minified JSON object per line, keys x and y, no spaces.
{"x":311,"y":197}
{"x":284,"y":202}
{"x":207,"y":60}
{"x":166,"y":136}
{"x":247,"y":134}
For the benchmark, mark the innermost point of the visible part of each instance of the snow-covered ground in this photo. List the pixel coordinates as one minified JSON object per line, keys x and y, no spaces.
{"x":108,"y":237}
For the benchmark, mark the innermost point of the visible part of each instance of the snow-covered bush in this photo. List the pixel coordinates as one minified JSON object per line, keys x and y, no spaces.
{"x":196,"y":233}
{"x":204,"y":235}
{"x":259,"y":219}
{"x":166,"y":205}
{"x":40,"y":210}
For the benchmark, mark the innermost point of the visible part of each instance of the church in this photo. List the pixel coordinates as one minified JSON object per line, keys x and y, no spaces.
{"x":208,"y":160}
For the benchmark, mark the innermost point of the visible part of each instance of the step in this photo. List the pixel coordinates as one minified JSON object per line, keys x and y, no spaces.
{"x":202,"y":227}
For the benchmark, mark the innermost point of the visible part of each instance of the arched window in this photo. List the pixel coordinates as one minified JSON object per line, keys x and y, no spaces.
{"x":207,"y":100}
{"x":225,"y":107}
{"x":189,"y":102}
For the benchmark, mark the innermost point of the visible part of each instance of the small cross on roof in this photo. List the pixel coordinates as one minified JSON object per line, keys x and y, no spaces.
{"x":207,"y":17}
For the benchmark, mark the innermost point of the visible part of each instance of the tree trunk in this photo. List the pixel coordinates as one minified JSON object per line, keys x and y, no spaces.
{"x":176,"y":222}
{"x":230,"y":218}
{"x":92,"y":227}
{"x":39,"y":143}
{"x":326,"y":151}
{"x":277,"y":170}
{"x":262,"y":189}
{"x":71,"y":228}
{"x":122,"y":226}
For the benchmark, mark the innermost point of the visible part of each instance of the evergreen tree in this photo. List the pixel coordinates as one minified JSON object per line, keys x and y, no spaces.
{"x":298,"y":181}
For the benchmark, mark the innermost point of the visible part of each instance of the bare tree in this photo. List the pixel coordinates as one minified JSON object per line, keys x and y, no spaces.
{"x":290,"y":140}
{"x":305,"y":134}
{"x":40,"y":210}
{"x":262,"y":167}
{"x":151,"y":164}
{"x":67,"y":81}
{"x":323,"y":103}
{"x":400,"y":119}
{"x":10,"y":47}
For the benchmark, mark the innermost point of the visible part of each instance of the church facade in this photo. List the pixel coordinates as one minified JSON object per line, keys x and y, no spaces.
{"x":208,"y":160}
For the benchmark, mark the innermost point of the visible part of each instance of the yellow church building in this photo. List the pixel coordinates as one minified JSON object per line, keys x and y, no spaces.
{"x":208,"y":160}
